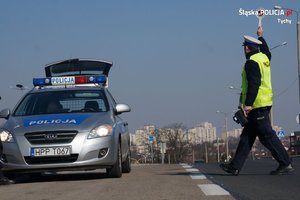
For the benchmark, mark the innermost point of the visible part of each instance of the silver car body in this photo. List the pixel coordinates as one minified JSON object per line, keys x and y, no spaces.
{"x":65,"y":139}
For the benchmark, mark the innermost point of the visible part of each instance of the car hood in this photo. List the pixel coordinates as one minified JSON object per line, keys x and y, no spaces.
{"x":80,"y":122}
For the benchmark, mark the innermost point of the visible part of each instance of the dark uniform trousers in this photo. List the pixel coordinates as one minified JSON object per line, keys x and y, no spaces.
{"x":1,"y":151}
{"x":259,"y":125}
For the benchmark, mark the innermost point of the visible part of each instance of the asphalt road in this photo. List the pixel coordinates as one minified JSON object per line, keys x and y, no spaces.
{"x":145,"y":182}
{"x":254,"y":181}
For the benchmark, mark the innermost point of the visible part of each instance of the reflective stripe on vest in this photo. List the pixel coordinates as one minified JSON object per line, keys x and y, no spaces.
{"x":264,"y":94}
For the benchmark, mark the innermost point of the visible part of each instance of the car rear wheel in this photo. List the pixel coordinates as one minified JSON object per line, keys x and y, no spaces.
{"x":126,"y":165}
{"x":116,"y":170}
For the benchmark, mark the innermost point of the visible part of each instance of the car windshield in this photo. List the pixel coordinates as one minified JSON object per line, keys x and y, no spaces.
{"x":55,"y":102}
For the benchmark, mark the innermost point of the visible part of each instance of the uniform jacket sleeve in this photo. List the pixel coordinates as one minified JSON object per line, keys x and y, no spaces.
{"x":253,"y":78}
{"x":264,"y":48}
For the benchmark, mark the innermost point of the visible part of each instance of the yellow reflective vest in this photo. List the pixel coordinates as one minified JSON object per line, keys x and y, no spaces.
{"x":264,"y":94}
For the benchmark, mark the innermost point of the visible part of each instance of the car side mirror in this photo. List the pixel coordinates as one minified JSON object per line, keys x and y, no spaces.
{"x":120,"y":108}
{"x":5,"y":113}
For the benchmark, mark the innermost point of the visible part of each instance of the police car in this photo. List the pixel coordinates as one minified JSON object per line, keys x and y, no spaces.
{"x":68,"y":121}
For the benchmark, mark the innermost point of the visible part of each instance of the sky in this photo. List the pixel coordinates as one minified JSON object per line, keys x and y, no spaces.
{"x":174,"y":60}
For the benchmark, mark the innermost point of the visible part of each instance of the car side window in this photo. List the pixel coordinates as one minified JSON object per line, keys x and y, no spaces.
{"x":112,"y":98}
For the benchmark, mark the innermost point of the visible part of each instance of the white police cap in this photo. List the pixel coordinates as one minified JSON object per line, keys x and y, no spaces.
{"x":251,"y":41}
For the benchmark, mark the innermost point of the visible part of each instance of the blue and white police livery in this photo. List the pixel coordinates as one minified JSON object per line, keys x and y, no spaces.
{"x":68,"y":121}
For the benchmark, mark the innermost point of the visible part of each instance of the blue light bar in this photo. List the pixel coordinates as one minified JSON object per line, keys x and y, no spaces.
{"x":99,"y":79}
{"x":41,"y":81}
{"x":70,"y":80}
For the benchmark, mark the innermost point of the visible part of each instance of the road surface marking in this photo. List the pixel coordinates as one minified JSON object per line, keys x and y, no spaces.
{"x":192,"y":170}
{"x":212,"y":189}
{"x":186,"y":166}
{"x":198,"y":176}
{"x":207,"y":189}
{"x":182,"y":164}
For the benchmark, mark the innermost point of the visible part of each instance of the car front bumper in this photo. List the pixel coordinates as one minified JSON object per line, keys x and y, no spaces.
{"x":86,"y":154}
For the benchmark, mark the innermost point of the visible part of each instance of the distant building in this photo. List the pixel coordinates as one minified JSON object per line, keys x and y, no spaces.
{"x":235,"y":133}
{"x":140,"y":140}
{"x":204,"y":132}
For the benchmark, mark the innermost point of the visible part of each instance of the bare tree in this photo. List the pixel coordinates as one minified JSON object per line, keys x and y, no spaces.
{"x":175,"y":137}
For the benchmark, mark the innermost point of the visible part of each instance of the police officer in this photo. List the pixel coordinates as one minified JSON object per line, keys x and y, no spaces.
{"x":256,"y":101}
{"x":3,"y":179}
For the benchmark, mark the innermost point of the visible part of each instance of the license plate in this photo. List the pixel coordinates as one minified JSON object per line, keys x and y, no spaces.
{"x":63,"y":80}
{"x":51,"y":151}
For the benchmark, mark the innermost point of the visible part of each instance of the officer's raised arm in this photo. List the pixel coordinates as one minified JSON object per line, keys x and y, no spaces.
{"x":264,"y":46}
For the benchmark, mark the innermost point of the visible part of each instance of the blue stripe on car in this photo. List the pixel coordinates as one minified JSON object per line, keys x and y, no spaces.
{"x":54,"y":119}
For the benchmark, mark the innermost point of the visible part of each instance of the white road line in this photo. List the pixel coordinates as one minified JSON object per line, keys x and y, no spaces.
{"x":186,"y":166}
{"x":212,"y":189}
{"x":207,"y":189}
{"x":192,"y":170}
{"x":182,"y":164}
{"x":198,"y":176}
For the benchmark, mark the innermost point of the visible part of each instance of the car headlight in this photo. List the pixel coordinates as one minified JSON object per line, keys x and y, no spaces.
{"x":100,"y":131}
{"x":6,"y":136}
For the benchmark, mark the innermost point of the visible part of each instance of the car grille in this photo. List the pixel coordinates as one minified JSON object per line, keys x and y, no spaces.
{"x":51,"y":159}
{"x":51,"y":137}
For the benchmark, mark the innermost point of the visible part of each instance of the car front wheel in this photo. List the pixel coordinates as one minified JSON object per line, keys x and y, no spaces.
{"x":126,"y":165}
{"x":116,"y":170}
